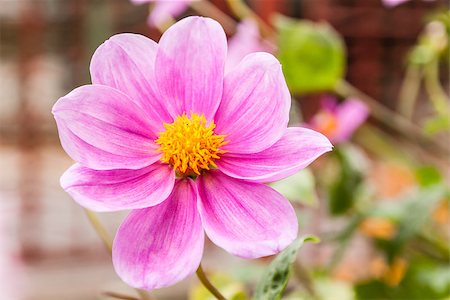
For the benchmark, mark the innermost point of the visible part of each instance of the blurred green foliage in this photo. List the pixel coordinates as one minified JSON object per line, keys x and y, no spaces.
{"x":416,"y":250}
{"x":428,"y":175}
{"x":312,"y":55}
{"x":343,"y":192}
{"x":298,"y":188}
{"x":413,"y":212}
{"x":325,"y":288}
{"x":423,"y":280}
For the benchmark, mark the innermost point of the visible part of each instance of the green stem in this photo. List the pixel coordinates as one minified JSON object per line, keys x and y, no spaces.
{"x":99,"y":229}
{"x":435,"y":91}
{"x":211,"y":288}
{"x":409,"y":91}
{"x":107,"y":242}
{"x":393,"y":120}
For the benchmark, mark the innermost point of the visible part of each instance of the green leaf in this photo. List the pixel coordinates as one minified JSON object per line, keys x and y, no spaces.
{"x":312,"y":55}
{"x":276,"y":276}
{"x":299,"y":187}
{"x":428,"y":175}
{"x":343,"y":192}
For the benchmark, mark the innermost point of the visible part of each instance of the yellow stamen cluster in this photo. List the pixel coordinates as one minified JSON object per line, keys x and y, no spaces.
{"x":190,"y":145}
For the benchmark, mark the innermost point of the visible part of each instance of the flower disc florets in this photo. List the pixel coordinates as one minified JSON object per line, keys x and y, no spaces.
{"x":190,"y":145}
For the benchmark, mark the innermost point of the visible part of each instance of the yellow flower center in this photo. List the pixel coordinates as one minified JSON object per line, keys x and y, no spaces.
{"x":190,"y":145}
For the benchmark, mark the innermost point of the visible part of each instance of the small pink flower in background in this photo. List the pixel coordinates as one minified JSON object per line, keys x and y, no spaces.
{"x":164,"y":10}
{"x":246,"y":40}
{"x":163,"y":132}
{"x":392,"y":3}
{"x":339,"y":121}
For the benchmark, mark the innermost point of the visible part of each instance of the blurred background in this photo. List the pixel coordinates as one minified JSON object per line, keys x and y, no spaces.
{"x":379,"y":202}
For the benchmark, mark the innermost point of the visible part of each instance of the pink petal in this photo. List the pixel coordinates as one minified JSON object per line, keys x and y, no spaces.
{"x":294,"y":151}
{"x":254,"y":111}
{"x":350,"y":115}
{"x":158,"y":246}
{"x":166,"y":10}
{"x":247,"y":219}
{"x":126,"y":62}
{"x":101,"y":128}
{"x":111,"y":190}
{"x":189,"y":66}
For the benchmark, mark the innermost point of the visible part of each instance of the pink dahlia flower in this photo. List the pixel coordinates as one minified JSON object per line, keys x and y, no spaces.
{"x":164,"y":10}
{"x":163,"y":132}
{"x":339,"y":121}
